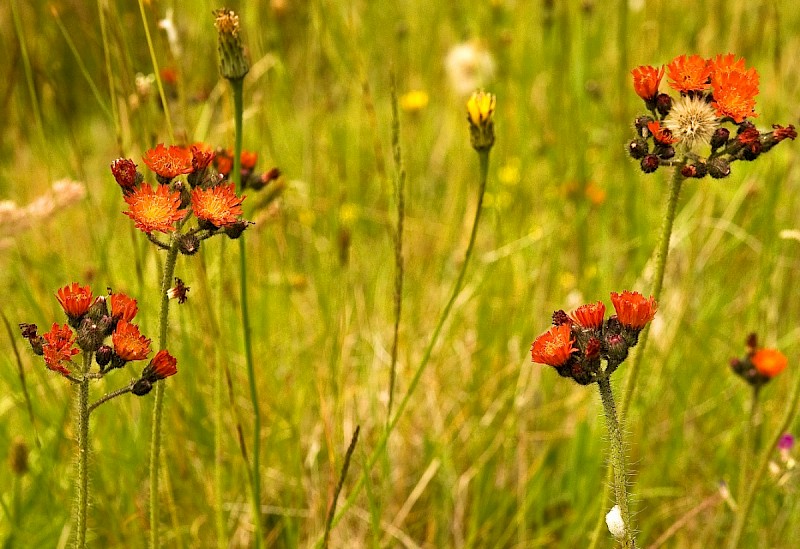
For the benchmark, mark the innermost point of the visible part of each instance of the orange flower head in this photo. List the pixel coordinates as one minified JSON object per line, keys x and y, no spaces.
{"x":75,"y":300}
{"x":554,"y":347}
{"x":248,"y":160}
{"x":769,"y":362}
{"x":58,"y":348}
{"x":634,"y":311}
{"x":168,"y":162}
{"x":202,"y":155}
{"x":129,"y":343}
{"x":589,"y":316}
{"x":662,"y":135}
{"x":223,"y":162}
{"x":218,"y":205}
{"x":154,"y":210}
{"x":688,"y":74}
{"x":162,"y":366}
{"x":125,"y":174}
{"x":123,"y":307}
{"x":725,"y":63}
{"x":646,"y":80}
{"x":735,"y":94}
{"x":780,"y":133}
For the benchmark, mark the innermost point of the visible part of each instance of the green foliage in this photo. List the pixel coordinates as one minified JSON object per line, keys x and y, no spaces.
{"x":492,"y":451}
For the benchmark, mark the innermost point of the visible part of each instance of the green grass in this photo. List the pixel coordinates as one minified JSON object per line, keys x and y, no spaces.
{"x":492,"y":451}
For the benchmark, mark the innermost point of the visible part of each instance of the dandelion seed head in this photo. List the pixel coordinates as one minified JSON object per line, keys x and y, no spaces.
{"x":692,"y":121}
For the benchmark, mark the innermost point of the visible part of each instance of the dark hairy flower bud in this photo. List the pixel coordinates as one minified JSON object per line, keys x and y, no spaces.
{"x":188,"y":244}
{"x":142,"y":387}
{"x":650,"y":163}
{"x":663,"y":104}
{"x":640,"y":124}
{"x":719,"y":168}
{"x":638,"y":148}
{"x":103,"y":355}
{"x":665,"y":152}
{"x":235,"y":231}
{"x":720,"y":138}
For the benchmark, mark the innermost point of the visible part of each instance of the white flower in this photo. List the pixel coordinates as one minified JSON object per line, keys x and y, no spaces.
{"x":615,"y":523}
{"x":692,"y":120}
{"x":469,"y":67}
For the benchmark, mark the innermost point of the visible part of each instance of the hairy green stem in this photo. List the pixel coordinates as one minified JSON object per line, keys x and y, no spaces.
{"x":746,"y":501}
{"x":114,"y":394}
{"x":379,"y":449}
{"x":158,"y":404}
{"x":255,"y":478}
{"x":748,"y":444}
{"x":82,"y":419}
{"x":658,"y":282}
{"x":617,"y":460}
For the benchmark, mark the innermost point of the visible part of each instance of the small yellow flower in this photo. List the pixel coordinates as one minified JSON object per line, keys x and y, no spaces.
{"x":480,"y":111}
{"x":414,"y":101}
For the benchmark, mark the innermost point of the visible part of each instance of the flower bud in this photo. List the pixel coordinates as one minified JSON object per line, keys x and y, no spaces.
{"x":719,"y":168}
{"x":663,"y":104}
{"x":720,"y":138}
{"x":480,"y":113}
{"x":103,"y":355}
{"x":188,"y":244}
{"x":638,"y":148}
{"x":649,"y":163}
{"x":233,"y":64}
{"x":235,"y":230}
{"x":142,"y":387}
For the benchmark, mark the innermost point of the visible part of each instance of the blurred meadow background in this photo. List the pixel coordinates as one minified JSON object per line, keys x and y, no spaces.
{"x":492,"y":450}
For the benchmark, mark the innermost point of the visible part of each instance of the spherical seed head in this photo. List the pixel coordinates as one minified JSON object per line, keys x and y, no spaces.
{"x":692,"y":121}
{"x":480,"y":114}
{"x":233,"y":63}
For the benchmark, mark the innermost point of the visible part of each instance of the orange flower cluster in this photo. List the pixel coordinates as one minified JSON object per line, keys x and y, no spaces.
{"x":579,"y":341}
{"x":759,"y":365}
{"x":169,"y":206}
{"x":713,"y":92}
{"x":90,"y":323}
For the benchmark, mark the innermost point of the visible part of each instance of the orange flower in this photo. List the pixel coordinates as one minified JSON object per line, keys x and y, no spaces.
{"x":590,"y":315}
{"x":168,"y":162}
{"x":248,"y":159}
{"x":783,"y":132}
{"x":223,"y":162}
{"x":129,"y":343}
{"x":769,"y":362}
{"x":725,"y":63}
{"x":154,"y":210}
{"x":554,"y":347}
{"x":125,"y":174}
{"x":162,"y":366}
{"x":735,"y":94}
{"x":123,"y":307}
{"x":689,"y":73}
{"x":58,"y":348}
{"x":633,"y":310}
{"x":218,"y":205}
{"x":75,"y":300}
{"x":661,"y":135}
{"x":202,"y":155}
{"x":646,"y":80}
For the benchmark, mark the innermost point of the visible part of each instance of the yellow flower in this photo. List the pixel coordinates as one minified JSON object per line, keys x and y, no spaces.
{"x":414,"y":101}
{"x":480,"y":111}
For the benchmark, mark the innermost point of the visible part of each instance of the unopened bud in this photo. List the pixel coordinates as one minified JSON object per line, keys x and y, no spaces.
{"x":233,"y":64}
{"x":480,"y":114}
{"x":649,"y":163}
{"x":719,"y":168}
{"x":638,"y":148}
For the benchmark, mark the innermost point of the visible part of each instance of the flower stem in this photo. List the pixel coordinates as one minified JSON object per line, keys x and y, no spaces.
{"x":108,"y":396}
{"x":658,"y":282}
{"x":746,"y":500}
{"x":255,"y":478}
{"x":379,"y":449}
{"x":155,"y":442}
{"x":82,"y":503}
{"x":748,"y":445}
{"x":617,"y":460}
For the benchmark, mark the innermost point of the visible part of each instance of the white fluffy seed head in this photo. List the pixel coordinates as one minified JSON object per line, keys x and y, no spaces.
{"x":692,"y":120}
{"x":615,"y":523}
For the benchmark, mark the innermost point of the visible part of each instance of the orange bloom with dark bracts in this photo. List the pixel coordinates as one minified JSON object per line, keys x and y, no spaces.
{"x":125,"y":174}
{"x":155,"y":210}
{"x":735,"y":94}
{"x":634,"y":311}
{"x":725,"y":63}
{"x":162,"y":366}
{"x":58,"y":348}
{"x":218,"y":205}
{"x":554,"y":347}
{"x":589,"y":316}
{"x":123,"y":307}
{"x":75,"y":300}
{"x":689,"y":73}
{"x":783,"y":132}
{"x":662,"y":135}
{"x":248,"y":159}
{"x":769,"y":362}
{"x":223,"y":162}
{"x":169,"y":162}
{"x":202,"y":155}
{"x":129,"y":343}
{"x":646,"y":80}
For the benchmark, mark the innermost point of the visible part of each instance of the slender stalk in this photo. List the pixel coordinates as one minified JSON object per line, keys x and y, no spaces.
{"x":746,"y":503}
{"x":255,"y":484}
{"x":157,"y":74}
{"x":82,"y":473}
{"x":109,"y":73}
{"x":26,"y":64}
{"x":379,"y":449}
{"x":158,"y":405}
{"x":658,"y":282}
{"x":113,"y":394}
{"x":222,"y":541}
{"x":400,"y":202}
{"x":617,"y":460}
{"x":338,"y":490}
{"x":748,"y":445}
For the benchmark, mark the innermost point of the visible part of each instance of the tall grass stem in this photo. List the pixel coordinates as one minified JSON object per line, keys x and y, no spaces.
{"x":156,"y":72}
{"x":748,"y":444}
